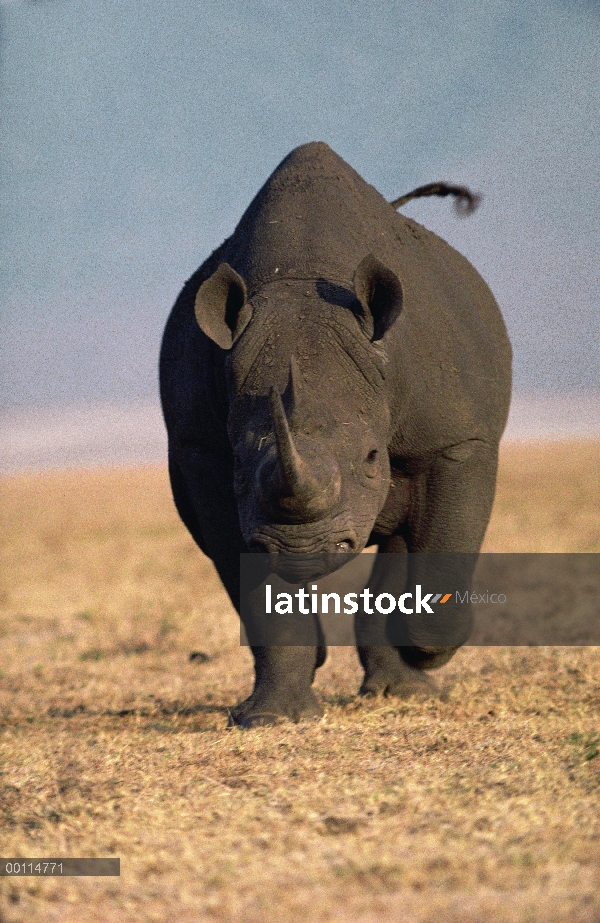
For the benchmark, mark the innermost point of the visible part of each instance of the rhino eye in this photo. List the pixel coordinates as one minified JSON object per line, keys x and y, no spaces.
{"x":370,"y":466}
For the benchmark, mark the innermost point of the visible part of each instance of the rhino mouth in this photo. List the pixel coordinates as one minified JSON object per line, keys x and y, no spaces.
{"x":295,"y":558}
{"x":300,"y":568}
{"x":293,"y":541}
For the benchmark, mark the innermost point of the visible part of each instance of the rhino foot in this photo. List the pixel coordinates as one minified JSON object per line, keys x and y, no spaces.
{"x":402,"y":687}
{"x":257,"y":711}
{"x":386,"y":673}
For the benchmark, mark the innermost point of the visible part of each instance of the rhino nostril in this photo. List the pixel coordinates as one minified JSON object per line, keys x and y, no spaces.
{"x":344,"y":546}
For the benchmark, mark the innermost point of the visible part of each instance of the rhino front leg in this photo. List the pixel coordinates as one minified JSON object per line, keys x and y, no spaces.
{"x":284,"y":675}
{"x":450,"y":514}
{"x":386,"y":672}
{"x":282,"y":688}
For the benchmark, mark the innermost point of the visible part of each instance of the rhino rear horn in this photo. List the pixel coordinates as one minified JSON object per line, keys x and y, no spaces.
{"x":379,"y":292}
{"x":292,"y":396}
{"x":221,"y":306}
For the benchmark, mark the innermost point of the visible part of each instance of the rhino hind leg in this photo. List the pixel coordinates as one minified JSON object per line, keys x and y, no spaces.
{"x":282,"y":690}
{"x":454,"y":512}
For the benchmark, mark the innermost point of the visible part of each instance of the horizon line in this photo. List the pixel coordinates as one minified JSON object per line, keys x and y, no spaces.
{"x":110,"y":433}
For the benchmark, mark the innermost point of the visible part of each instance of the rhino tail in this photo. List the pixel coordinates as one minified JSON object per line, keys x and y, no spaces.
{"x":466,"y":201}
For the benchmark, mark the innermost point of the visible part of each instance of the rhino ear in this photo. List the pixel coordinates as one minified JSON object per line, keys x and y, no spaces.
{"x":379,"y":292}
{"x":221,"y":307}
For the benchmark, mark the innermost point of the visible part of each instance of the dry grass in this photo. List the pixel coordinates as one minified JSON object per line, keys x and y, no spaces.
{"x":479,"y":806}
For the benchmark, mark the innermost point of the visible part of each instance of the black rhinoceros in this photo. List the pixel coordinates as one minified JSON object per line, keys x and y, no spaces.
{"x":333,"y":376}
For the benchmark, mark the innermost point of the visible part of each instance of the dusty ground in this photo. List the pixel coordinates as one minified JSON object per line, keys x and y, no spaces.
{"x":482,"y":805}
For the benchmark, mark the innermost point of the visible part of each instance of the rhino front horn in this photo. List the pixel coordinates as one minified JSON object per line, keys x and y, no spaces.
{"x":303,"y":490}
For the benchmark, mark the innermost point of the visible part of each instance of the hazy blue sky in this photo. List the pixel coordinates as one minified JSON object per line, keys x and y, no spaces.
{"x":134,"y":134}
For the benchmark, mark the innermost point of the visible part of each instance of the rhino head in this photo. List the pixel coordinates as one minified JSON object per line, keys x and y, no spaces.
{"x":309,"y":414}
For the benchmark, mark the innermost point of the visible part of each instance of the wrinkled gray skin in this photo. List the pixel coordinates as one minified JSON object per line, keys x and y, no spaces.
{"x":333,"y":376}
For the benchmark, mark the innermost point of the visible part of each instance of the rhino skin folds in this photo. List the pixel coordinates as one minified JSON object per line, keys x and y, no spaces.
{"x":333,"y":376}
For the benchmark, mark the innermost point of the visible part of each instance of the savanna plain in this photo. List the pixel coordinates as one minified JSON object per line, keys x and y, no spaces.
{"x":479,"y":805}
